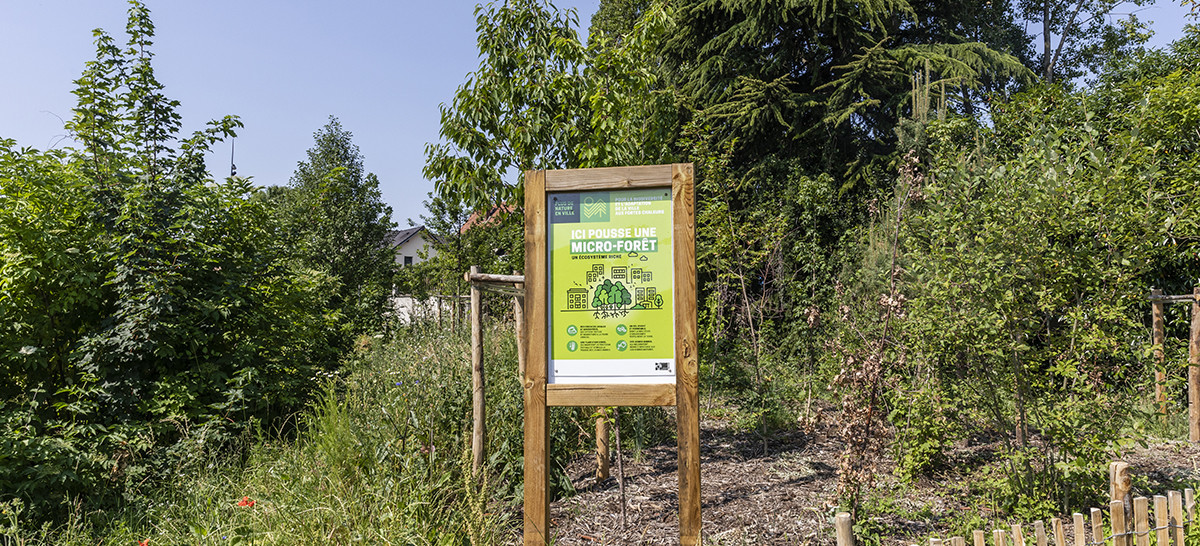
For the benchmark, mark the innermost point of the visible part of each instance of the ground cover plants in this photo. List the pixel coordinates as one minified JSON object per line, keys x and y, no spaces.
{"x":922,"y":266}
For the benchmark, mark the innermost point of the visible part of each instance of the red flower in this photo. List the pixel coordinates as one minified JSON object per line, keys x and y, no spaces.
{"x":144,"y":543}
{"x":244,"y":502}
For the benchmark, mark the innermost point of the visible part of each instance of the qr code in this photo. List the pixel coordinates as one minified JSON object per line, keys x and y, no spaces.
{"x":661,"y":366}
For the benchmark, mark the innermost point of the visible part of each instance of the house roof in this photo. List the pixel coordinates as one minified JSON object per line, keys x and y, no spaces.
{"x":481,"y":218}
{"x":399,"y":237}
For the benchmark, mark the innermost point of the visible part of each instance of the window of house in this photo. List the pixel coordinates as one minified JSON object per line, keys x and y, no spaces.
{"x":408,"y":260}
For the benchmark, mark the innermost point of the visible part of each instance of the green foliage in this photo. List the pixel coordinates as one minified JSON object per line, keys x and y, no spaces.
{"x":147,"y":313}
{"x":542,"y":100}
{"x":383,"y":457}
{"x":334,"y":216}
{"x":491,"y":239}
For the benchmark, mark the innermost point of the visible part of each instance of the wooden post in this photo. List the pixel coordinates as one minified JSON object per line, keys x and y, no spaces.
{"x":687,"y":373}
{"x":1158,"y":338}
{"x":1119,"y":485}
{"x":1161,"y":521}
{"x":1176,"y":512}
{"x":845,"y":529}
{"x":1141,"y":520}
{"x":602,"y":445}
{"x":1194,"y":371}
{"x":1056,"y":527}
{"x":998,"y":537}
{"x":1077,"y":529}
{"x":1189,"y":504}
{"x":1039,"y":533}
{"x":519,"y":320}
{"x":1119,"y":530}
{"x":1018,"y":537}
{"x":1097,"y":526}
{"x":979,"y":537}
{"x":477,"y":388}
{"x":537,"y":413}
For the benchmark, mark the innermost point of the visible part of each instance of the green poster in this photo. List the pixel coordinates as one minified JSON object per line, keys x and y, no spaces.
{"x":611,"y":287}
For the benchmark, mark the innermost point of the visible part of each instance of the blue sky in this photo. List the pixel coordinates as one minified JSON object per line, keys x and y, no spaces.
{"x":381,"y":67}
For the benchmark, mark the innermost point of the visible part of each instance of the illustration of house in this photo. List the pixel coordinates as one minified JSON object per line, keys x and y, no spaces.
{"x":618,"y":273}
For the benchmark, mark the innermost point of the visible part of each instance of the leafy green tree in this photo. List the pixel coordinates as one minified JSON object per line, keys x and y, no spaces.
{"x":540,"y":99}
{"x":336,"y":218}
{"x":149,"y":313}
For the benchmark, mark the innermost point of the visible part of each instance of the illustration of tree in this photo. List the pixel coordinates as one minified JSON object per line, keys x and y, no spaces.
{"x":611,"y":295}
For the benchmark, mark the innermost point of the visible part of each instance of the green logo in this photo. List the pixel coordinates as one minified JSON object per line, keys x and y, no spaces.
{"x":594,"y":207}
{"x":571,"y":346}
{"x":572,"y":330}
{"x":622,"y":345}
{"x":621,"y":329}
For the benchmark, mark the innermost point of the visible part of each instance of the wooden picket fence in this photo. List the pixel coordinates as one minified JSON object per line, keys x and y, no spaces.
{"x":1160,"y":521}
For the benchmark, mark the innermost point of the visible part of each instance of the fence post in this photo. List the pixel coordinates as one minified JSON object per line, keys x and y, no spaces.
{"x":845,"y":529}
{"x":477,"y":385}
{"x":1194,"y":371}
{"x":1161,"y":521}
{"x":1120,"y":533}
{"x":1176,"y":511}
{"x":1141,"y":520}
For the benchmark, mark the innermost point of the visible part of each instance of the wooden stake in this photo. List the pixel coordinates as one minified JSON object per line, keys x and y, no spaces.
{"x":845,"y":529}
{"x":1161,"y":521}
{"x":998,"y":537}
{"x":1039,"y":533}
{"x":1194,"y":371}
{"x":519,"y":320}
{"x":1141,"y":520}
{"x":1119,"y":481}
{"x":935,"y":542}
{"x":478,"y":429}
{"x":1018,"y":537}
{"x":1176,"y":511}
{"x":1078,"y":530}
{"x":1158,"y":337}
{"x":979,"y":537}
{"x":1119,"y":529}
{"x":1189,"y":504}
{"x":1097,"y":526}
{"x":1056,"y":527}
{"x":602,"y":444}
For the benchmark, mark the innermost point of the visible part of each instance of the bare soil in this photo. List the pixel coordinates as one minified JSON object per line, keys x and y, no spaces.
{"x":786,"y":495}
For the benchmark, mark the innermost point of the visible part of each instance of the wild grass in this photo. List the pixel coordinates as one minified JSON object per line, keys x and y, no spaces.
{"x":383,"y":458}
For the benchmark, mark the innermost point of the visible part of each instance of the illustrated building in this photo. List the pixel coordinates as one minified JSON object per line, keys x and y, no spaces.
{"x":647,"y":276}
{"x":639,"y":295}
{"x":595,"y":274}
{"x":618,"y":273}
{"x":577,"y":298}
{"x":650,"y":292}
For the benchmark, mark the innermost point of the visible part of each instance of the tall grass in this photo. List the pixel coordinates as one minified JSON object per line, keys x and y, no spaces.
{"x":383,"y":458}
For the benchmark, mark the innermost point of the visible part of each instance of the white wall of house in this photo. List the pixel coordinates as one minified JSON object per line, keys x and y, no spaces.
{"x":409,"y":252}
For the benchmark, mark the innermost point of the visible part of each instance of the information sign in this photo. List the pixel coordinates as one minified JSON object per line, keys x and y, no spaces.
{"x":611,"y":271}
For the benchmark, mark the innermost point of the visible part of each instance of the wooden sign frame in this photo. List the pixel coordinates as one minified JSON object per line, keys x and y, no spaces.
{"x":540,"y":396}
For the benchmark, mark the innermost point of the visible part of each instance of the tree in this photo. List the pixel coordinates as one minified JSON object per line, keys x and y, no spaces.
{"x":540,"y":99}
{"x":337,"y":220}
{"x":1086,"y":36}
{"x":147,"y":313}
